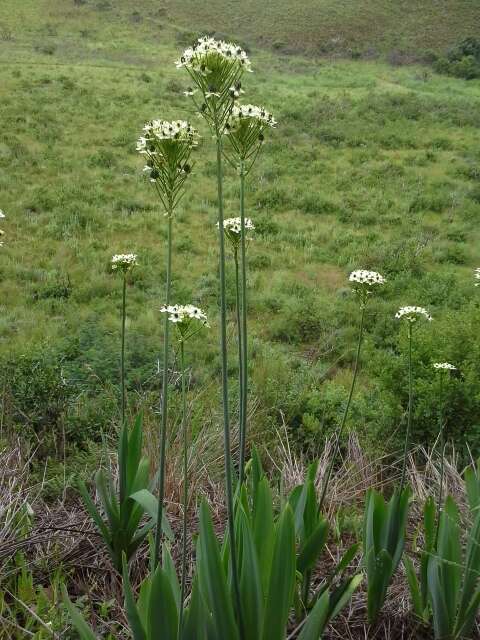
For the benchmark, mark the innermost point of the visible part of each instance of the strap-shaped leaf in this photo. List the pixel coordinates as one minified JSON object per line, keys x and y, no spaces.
{"x":162,"y":611}
{"x":78,"y":621}
{"x":471,"y":578}
{"x":342,"y":594}
{"x":312,"y":547}
{"x":282,"y":578}
{"x":250,"y":583}
{"x":196,"y":616}
{"x":94,"y":513}
{"x":133,"y":615}
{"x":150,"y":503}
{"x":472,"y":486}
{"x":134,"y":454}
{"x":264,"y":531}
{"x":317,"y":619}
{"x":414,"y":587}
{"x":379,"y":572}
{"x":213,"y":581}
{"x":109,"y":500}
{"x":441,"y":622}
{"x":169,"y":568}
{"x":449,"y":556}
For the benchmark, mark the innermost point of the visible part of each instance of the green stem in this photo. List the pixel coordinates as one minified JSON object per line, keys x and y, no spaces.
{"x":240,"y":352}
{"x":441,"y":426}
{"x":185,"y":487}
{"x":243,"y":412}
{"x":223,"y":350}
{"x":122,"y":469}
{"x":164,"y":399}
{"x":345,"y":413}
{"x":410,"y":406}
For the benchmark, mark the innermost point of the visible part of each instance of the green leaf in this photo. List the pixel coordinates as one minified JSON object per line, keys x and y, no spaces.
{"x":109,"y":500}
{"x":441,"y":623}
{"x":312,"y":548}
{"x":150,"y":504}
{"x":250,"y":583}
{"x":346,"y":559}
{"x":94,"y":514}
{"x":169,"y":568}
{"x":282,"y":578}
{"x":134,"y":453}
{"x":133,"y":615}
{"x":429,"y":517}
{"x":379,"y":573}
{"x":472,"y":486}
{"x":212,"y":579}
{"x":162,"y":610}
{"x":449,"y":555}
{"x":79,"y":623}
{"x":195,"y":615}
{"x":342,"y":594}
{"x":414,"y":587}
{"x":264,"y":531}
{"x":317,"y":619}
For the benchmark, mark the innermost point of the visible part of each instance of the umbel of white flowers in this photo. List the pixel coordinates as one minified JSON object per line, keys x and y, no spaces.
{"x":233,"y":229}
{"x":364,"y":282}
{"x":477,"y":277}
{"x":245,"y":128}
{"x":187,"y":318}
{"x":412,"y":314}
{"x":444,"y":366}
{"x":168,"y":146}
{"x":124,"y":262}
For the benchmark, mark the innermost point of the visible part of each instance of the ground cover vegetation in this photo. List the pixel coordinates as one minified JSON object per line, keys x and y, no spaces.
{"x":370,"y":166}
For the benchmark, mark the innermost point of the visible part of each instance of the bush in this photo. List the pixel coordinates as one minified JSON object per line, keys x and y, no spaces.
{"x":462,"y":60}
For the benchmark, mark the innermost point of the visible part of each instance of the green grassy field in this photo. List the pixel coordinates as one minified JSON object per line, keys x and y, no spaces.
{"x":371,"y":166}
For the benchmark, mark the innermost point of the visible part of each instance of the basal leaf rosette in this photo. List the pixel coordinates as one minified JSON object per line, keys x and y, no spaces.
{"x":215,"y":67}
{"x":187,"y":319}
{"x":365,"y":282}
{"x":232,"y":228}
{"x":168,"y":146}
{"x":245,"y":128}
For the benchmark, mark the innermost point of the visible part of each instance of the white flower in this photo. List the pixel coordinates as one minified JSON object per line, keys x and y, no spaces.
{"x":207,"y":55}
{"x":183,"y":315}
{"x":124,"y":261}
{"x":477,"y":277}
{"x":412,"y":314}
{"x":444,"y":365}
{"x":369,"y":278}
{"x":2,"y":215}
{"x":235,"y":225}
{"x":156,"y":131}
{"x":252,"y":112}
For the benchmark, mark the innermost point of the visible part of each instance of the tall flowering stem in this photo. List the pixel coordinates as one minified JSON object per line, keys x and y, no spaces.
{"x":245,"y":128}
{"x":188,"y":321}
{"x":215,"y":68}
{"x":364,"y":283}
{"x":167,"y":146}
{"x":240,"y":346}
{"x":411,"y":315}
{"x":442,"y":368}
{"x":123,"y":263}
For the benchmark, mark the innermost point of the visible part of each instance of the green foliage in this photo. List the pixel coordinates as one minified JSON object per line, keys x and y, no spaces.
{"x":384,"y":531}
{"x":462,"y":60}
{"x":121,"y":530}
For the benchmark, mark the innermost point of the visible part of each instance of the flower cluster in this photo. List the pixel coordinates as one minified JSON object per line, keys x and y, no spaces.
{"x":233,"y":229}
{"x":444,"y":365}
{"x":477,"y":277}
{"x":187,"y":318}
{"x":124,"y":262}
{"x":412,"y":314}
{"x":245,"y":127}
{"x":364,"y":281}
{"x":168,"y":146}
{"x":208,"y":54}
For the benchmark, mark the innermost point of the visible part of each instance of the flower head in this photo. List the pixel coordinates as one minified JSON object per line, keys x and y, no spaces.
{"x":412,"y":314}
{"x":124,"y":262}
{"x":245,"y":128}
{"x":233,"y":229}
{"x":444,"y":366}
{"x":187,"y":318}
{"x":364,"y":282}
{"x":477,"y":277}
{"x":2,"y":215}
{"x":208,"y":55}
{"x":168,"y":146}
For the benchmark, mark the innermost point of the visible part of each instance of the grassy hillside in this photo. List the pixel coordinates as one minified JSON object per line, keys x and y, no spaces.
{"x":370,"y":167}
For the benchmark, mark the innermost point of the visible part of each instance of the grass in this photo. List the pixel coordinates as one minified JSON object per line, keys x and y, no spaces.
{"x":371,"y":166}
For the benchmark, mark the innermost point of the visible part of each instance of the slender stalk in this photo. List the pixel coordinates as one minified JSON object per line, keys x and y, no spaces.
{"x":185,"y":486}
{"x":244,"y":387}
{"x":442,"y":450}
{"x":410,"y":406}
{"x":164,"y":399}
{"x":123,"y":470}
{"x":122,"y":358}
{"x":240,"y":352}
{"x":223,"y":350}
{"x":345,"y":413}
